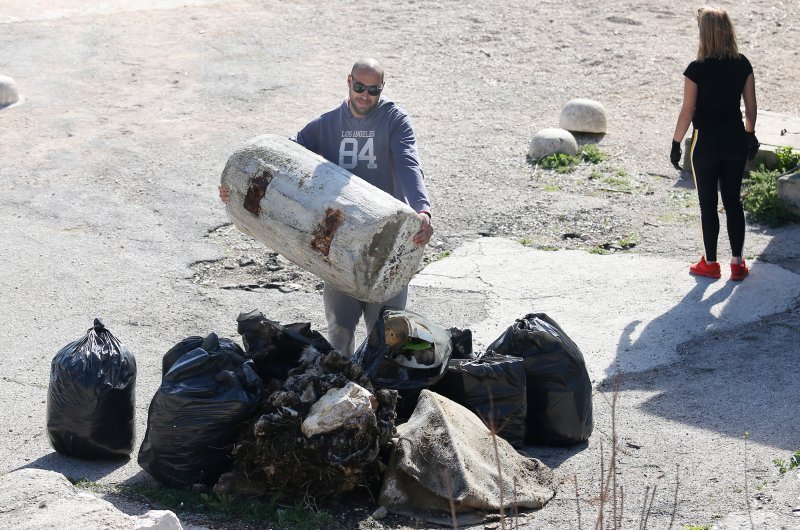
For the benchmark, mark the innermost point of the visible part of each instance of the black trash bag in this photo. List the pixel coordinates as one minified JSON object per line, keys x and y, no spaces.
{"x":195,"y":416}
{"x":190,"y":343}
{"x":91,"y":398}
{"x":276,"y":348}
{"x":493,"y":387}
{"x":405,"y":352}
{"x":558,"y":385}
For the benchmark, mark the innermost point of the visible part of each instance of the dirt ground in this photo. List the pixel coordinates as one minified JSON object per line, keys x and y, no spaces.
{"x":136,"y":107}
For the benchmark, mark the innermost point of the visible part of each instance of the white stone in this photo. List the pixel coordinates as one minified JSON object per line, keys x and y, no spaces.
{"x":336,"y":407}
{"x":157,"y":520}
{"x":549,"y":141}
{"x":322,"y":217}
{"x":583,"y":115}
{"x":8,"y":91}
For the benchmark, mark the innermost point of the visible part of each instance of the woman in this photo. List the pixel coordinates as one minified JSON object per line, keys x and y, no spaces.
{"x":714,"y":85}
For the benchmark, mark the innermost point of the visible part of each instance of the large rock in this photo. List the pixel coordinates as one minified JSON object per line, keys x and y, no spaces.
{"x":38,"y":499}
{"x":323,"y":218}
{"x":583,"y":115}
{"x":789,"y":192}
{"x":549,"y":141}
{"x":8,"y":91}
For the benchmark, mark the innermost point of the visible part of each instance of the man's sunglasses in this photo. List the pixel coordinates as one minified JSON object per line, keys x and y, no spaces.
{"x":372,"y":90}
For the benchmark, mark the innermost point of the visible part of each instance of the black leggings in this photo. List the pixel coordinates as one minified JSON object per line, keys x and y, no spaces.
{"x":715,"y":164}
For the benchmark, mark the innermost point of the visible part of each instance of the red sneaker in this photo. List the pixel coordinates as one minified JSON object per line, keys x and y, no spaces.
{"x":703,"y":268}
{"x":739,"y":271}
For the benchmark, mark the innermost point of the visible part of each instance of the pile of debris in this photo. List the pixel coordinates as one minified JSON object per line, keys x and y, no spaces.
{"x":405,"y":418}
{"x":320,"y":430}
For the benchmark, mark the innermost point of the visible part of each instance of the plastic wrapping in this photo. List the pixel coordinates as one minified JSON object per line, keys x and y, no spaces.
{"x":195,"y":416}
{"x":494,"y":389}
{"x":91,"y":397}
{"x":558,"y":386}
{"x":276,"y":348}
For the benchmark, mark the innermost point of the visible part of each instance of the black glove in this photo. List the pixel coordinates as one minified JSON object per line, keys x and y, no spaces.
{"x":675,"y":155}
{"x":752,"y":145}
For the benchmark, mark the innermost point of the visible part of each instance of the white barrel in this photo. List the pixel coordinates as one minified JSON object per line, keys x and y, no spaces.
{"x":323,"y":218}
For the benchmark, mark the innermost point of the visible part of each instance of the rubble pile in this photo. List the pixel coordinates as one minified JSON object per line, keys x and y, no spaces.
{"x":319,"y":431}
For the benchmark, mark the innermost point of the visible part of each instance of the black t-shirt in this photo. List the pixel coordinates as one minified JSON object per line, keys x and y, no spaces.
{"x":719,"y":90}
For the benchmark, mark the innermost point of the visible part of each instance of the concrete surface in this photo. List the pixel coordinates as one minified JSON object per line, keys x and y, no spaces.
{"x":627,"y":313}
{"x":35,"y":499}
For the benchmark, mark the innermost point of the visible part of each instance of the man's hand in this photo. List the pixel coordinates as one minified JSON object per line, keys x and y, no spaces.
{"x":675,"y":155}
{"x":224,"y":194}
{"x":425,"y":233}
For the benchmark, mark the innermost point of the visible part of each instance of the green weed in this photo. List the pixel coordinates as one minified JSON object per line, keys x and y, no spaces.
{"x":564,"y":163}
{"x":628,"y":242}
{"x":787,"y":159}
{"x":598,"y":250}
{"x":784,"y":466}
{"x":760,"y":198}
{"x":697,"y":527}
{"x":591,"y":153}
{"x":618,"y":183}
{"x":559,"y":161}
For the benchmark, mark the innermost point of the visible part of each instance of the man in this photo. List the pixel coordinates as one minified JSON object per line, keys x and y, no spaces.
{"x":371,"y":137}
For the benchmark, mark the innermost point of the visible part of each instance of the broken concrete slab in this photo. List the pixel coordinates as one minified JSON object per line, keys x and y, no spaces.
{"x":36,"y":499}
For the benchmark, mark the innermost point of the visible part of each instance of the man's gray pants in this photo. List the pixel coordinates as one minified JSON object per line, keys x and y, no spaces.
{"x":343,"y":313}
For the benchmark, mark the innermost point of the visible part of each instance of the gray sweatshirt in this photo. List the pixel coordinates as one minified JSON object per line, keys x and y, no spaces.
{"x":380,"y":148}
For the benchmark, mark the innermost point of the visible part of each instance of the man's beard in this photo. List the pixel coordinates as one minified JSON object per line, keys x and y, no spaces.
{"x":361,"y":111}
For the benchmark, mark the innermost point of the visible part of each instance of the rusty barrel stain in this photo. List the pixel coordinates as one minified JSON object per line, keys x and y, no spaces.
{"x":256,"y":191}
{"x":323,"y":234}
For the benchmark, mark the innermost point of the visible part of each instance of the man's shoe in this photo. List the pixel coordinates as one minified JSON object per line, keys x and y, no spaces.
{"x":739,"y":271}
{"x":703,"y":268}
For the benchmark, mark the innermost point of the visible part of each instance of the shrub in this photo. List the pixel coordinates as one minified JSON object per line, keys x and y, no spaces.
{"x":787,"y":159}
{"x":760,"y":198}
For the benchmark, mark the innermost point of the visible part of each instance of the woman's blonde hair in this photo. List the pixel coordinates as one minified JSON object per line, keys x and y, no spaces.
{"x":717,"y":36}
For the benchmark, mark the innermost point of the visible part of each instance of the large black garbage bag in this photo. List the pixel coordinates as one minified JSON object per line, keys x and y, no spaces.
{"x":558,"y":385}
{"x":493,"y":387}
{"x":276,"y":348}
{"x":91,"y":397}
{"x":195,"y":416}
{"x":405,"y":352}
